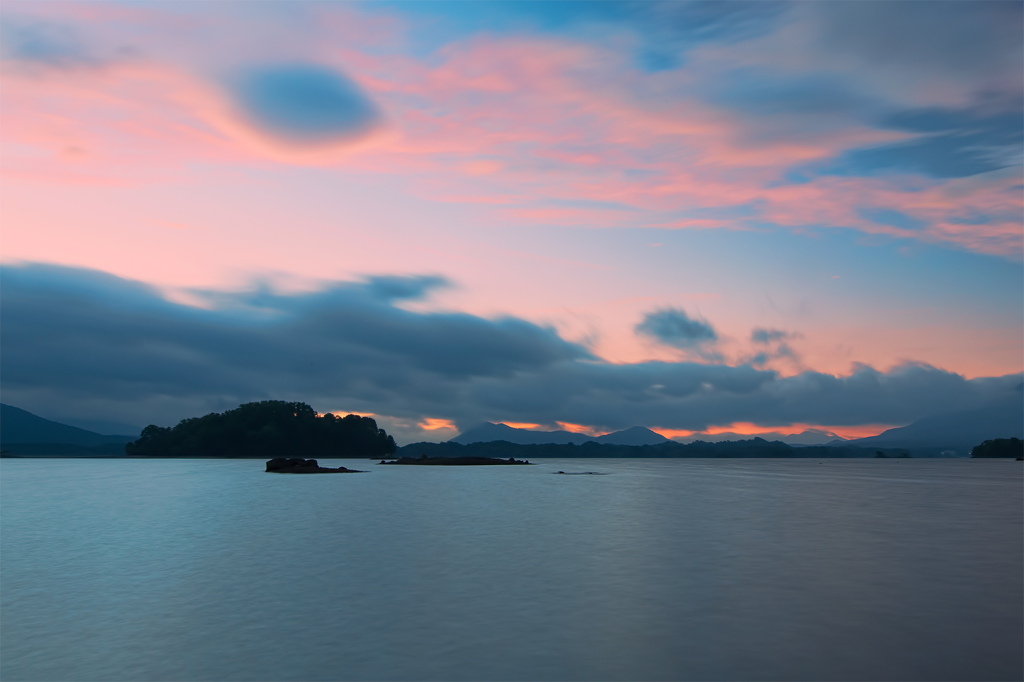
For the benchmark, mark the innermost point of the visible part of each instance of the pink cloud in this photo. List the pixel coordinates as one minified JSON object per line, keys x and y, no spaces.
{"x":537,"y":127}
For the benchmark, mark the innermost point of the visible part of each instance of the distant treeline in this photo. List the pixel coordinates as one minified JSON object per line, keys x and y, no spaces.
{"x":756,"y":447}
{"x":267,"y":429}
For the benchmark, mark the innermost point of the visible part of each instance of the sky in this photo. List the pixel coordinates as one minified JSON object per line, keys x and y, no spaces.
{"x":690,"y":216}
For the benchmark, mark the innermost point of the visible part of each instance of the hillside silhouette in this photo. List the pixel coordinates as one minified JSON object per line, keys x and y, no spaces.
{"x":25,"y":434}
{"x":955,"y":431}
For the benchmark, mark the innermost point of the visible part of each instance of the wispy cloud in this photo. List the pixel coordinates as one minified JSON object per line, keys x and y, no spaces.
{"x":805,"y":113}
{"x":40,"y":43}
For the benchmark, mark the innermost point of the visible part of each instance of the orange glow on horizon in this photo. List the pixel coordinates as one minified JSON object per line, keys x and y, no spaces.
{"x":521,"y":425}
{"x":751,"y":429}
{"x":580,"y":428}
{"x":674,"y":433}
{"x":743,"y":428}
{"x":858,"y":431}
{"x":432,"y":424}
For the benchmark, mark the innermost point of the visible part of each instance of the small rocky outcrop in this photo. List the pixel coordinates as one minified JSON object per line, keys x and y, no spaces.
{"x":423,"y":460}
{"x":297,"y":465}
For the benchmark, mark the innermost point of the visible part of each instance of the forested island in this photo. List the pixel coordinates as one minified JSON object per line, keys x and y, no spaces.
{"x":999,"y":447}
{"x":267,"y":429}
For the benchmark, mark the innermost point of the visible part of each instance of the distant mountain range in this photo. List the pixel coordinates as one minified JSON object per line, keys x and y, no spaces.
{"x":637,"y":435}
{"x":951,"y":434}
{"x":955,"y":432}
{"x":488,"y":432}
{"x":808,"y":437}
{"x":22,"y":432}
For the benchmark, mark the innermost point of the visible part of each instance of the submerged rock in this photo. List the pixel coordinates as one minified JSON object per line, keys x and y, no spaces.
{"x":297,"y":465}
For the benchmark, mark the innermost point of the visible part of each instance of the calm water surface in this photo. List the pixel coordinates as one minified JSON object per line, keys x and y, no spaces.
{"x":660,"y":570}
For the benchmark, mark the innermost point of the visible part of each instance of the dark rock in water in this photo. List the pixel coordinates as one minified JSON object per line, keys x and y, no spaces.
{"x":296,"y":465}
{"x":455,"y":461}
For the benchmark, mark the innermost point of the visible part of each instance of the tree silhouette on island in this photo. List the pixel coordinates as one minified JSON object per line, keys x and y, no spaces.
{"x":999,"y":447}
{"x":267,"y":429}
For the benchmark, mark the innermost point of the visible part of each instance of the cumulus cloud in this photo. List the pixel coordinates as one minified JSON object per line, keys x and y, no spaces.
{"x":304,"y":103}
{"x":772,"y":345}
{"x":673,"y":327}
{"x":87,"y":344}
{"x":398,"y":288}
{"x":765,"y":336}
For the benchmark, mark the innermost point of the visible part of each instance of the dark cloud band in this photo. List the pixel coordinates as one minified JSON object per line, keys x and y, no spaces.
{"x":77,"y":337}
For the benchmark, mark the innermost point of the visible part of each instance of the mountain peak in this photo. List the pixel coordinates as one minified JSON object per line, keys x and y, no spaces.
{"x":634,"y":435}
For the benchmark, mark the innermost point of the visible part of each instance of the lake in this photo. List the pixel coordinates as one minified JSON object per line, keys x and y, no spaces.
{"x":659,"y":570}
